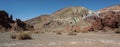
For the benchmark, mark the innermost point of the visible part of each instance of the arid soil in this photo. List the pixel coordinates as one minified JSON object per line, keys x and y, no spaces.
{"x":91,"y":39}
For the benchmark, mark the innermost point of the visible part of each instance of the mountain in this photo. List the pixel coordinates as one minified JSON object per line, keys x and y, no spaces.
{"x":66,"y":19}
{"x":79,"y":19}
{"x":8,"y":24}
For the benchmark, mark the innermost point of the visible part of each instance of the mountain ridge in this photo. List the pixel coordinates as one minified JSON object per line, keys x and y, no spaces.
{"x":71,"y":18}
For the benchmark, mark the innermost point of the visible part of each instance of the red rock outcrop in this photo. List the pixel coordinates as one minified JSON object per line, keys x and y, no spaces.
{"x":8,"y":24}
{"x":106,"y":21}
{"x":111,"y":19}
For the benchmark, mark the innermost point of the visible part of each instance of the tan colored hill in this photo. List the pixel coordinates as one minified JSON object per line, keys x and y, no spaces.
{"x":39,"y":19}
{"x":79,"y":18}
{"x":67,"y":19}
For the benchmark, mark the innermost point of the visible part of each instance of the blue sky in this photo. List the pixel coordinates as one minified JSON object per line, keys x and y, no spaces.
{"x":26,"y":9}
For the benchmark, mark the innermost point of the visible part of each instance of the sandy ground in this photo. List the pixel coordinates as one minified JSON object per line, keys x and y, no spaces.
{"x":54,"y":40}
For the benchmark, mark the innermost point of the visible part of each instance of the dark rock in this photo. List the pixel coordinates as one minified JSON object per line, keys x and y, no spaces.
{"x":8,"y":24}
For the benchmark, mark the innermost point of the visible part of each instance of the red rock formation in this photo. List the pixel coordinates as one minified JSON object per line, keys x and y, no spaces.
{"x":107,"y":21}
{"x":111,"y":19}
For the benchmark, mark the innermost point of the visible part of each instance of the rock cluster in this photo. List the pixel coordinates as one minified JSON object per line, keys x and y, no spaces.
{"x":8,"y":24}
{"x":106,"y":21}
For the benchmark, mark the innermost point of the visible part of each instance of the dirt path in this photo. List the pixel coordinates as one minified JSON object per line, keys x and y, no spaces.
{"x":54,"y":40}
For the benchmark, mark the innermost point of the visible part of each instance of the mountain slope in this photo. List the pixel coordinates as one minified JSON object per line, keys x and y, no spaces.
{"x":79,"y":19}
{"x":39,"y":19}
{"x":66,"y":19}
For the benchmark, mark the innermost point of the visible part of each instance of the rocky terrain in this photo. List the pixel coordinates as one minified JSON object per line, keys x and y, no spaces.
{"x":90,"y":39}
{"x":109,"y":19}
{"x":8,"y":24}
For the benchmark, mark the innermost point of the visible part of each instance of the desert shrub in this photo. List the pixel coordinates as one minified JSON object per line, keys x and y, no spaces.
{"x":76,"y":31}
{"x":38,"y":32}
{"x":84,"y":31}
{"x":59,"y":33}
{"x":72,"y":33}
{"x":103,"y":30}
{"x":21,"y":36}
{"x":117,"y":30}
{"x":13,"y":36}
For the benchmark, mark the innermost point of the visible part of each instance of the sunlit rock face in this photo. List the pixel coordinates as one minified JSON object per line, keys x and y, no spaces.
{"x":8,"y":24}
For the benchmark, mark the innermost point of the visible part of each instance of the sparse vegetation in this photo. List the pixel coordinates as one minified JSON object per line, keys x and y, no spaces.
{"x":38,"y":32}
{"x":76,"y":31}
{"x":104,"y":31}
{"x":13,"y":36}
{"x":85,"y":31}
{"x":72,"y":33}
{"x":59,"y":33}
{"x":21,"y":36}
{"x":117,"y":30}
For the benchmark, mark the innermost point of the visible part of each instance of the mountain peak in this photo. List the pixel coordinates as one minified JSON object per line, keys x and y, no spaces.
{"x":71,"y":10}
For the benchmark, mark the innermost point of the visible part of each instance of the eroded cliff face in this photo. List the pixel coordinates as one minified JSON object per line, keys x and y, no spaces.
{"x":8,"y":24}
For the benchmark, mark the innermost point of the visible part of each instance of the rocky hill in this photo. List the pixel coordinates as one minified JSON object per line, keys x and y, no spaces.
{"x":8,"y":24}
{"x":67,"y":19}
{"x":79,"y":19}
{"x":109,"y":18}
{"x":39,"y":19}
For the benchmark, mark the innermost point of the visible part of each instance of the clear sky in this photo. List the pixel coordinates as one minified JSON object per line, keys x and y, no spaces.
{"x":26,"y":9}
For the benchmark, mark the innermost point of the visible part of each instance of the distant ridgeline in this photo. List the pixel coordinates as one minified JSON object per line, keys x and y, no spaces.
{"x":8,"y":24}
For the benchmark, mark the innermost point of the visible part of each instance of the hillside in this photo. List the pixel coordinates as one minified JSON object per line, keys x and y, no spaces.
{"x":39,"y":19}
{"x":78,"y":19}
{"x":67,"y":19}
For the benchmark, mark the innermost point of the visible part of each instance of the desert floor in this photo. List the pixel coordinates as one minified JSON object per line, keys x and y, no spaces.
{"x":91,"y":39}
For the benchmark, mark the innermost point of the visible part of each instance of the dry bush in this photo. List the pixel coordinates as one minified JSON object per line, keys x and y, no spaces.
{"x":76,"y":31}
{"x":84,"y":31}
{"x":21,"y":36}
{"x":72,"y":33}
{"x":117,"y":30}
{"x":103,"y":30}
{"x":38,"y":32}
{"x":13,"y":36}
{"x":59,"y":33}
